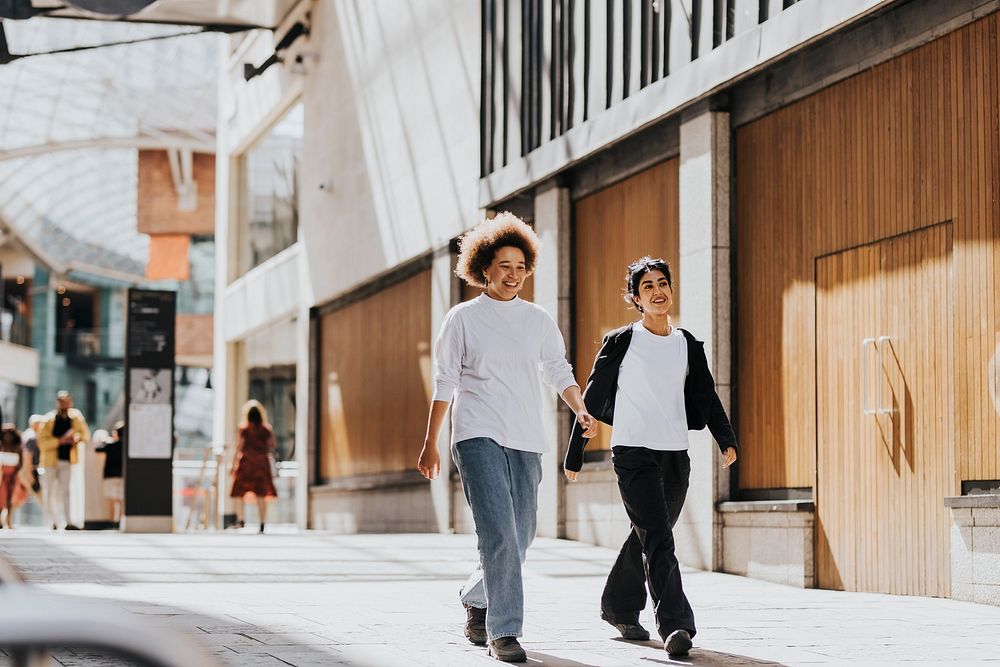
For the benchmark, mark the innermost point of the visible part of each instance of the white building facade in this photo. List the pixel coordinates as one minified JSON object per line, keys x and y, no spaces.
{"x":690,"y":130}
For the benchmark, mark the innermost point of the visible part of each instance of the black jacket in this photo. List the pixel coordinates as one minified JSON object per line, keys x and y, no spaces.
{"x":113,"y":460}
{"x":701,"y":401}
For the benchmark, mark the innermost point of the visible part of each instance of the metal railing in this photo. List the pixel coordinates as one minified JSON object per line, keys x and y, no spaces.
{"x":14,"y":328}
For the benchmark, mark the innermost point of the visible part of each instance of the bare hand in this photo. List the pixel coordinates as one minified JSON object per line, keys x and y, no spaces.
{"x":728,"y":457}
{"x":571,"y":475}
{"x":588,"y":423}
{"x":429,"y":463}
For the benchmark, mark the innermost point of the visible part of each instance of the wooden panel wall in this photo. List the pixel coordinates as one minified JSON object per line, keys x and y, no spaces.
{"x":638,"y":216}
{"x":375,"y":378}
{"x":910,"y":143}
{"x":885,"y":423}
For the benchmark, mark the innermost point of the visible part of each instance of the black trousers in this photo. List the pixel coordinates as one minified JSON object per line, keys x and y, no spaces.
{"x":653,"y":485}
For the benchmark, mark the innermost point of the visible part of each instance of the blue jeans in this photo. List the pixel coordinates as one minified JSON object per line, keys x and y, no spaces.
{"x":501,"y":485}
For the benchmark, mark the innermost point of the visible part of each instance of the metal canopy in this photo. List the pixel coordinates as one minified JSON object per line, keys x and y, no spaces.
{"x":239,"y":13}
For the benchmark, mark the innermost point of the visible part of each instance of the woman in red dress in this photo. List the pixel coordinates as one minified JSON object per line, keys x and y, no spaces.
{"x":252,"y":468}
{"x":12,"y":490}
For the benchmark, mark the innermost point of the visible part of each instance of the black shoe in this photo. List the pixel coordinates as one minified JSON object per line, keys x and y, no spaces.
{"x":507,"y":649}
{"x":70,"y":526}
{"x":632,"y":631}
{"x":475,"y":624}
{"x":261,"y":531}
{"x":678,"y":643}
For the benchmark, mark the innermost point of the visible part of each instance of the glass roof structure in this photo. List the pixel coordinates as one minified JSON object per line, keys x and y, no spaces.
{"x":71,"y":124}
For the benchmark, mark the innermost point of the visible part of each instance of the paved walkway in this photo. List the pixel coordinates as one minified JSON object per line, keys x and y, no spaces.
{"x":386,"y":600}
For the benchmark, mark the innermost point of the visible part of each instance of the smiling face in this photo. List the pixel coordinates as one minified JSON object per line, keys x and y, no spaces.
{"x":506,"y":274}
{"x":654,"y":296}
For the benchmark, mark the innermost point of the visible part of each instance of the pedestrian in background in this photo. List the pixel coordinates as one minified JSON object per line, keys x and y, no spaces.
{"x":29,"y":438}
{"x":255,"y":447}
{"x":487,"y":357}
{"x":651,"y":383}
{"x":58,"y":441}
{"x":113,"y":484}
{"x":12,"y":492}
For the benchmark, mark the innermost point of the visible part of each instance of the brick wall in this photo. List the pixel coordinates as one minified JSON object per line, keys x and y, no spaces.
{"x":194,"y":338}
{"x":157,"y":199}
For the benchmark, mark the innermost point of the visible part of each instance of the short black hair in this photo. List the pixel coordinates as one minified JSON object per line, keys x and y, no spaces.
{"x":637,"y":269}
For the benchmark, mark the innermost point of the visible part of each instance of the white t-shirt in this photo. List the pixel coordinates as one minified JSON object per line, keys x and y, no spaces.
{"x":649,"y":407}
{"x":488,"y":356}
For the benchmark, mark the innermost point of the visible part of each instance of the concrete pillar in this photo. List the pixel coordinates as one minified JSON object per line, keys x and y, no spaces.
{"x":303,"y":409}
{"x":442,"y":299}
{"x":552,"y":292}
{"x":231,"y":387}
{"x":704,"y":282}
{"x":226,"y":354}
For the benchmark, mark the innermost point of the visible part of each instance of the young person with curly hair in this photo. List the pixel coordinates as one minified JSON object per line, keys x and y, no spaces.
{"x":651,"y":383}
{"x":488,"y":356}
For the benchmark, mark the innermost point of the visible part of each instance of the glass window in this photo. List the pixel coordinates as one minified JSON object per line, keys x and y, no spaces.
{"x":269,"y":211}
{"x":270,"y":356}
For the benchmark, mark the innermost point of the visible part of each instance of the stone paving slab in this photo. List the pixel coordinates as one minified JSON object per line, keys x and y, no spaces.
{"x":313,"y":598}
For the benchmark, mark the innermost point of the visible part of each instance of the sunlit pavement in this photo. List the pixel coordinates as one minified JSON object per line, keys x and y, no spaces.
{"x":383,"y":600}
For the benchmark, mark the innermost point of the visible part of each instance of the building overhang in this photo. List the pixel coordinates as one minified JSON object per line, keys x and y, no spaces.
{"x":215,"y":14}
{"x":19,"y":364}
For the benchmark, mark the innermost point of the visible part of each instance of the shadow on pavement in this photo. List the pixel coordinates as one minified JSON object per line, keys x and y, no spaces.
{"x":538,"y":658}
{"x":700,"y":656}
{"x":60,"y":560}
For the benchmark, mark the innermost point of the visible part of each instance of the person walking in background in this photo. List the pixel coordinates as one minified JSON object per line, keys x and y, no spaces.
{"x":255,"y":447}
{"x":61,"y":432}
{"x":12,"y":492}
{"x":113,"y":484}
{"x":487,"y":357}
{"x":651,"y":383}
{"x":29,"y":438}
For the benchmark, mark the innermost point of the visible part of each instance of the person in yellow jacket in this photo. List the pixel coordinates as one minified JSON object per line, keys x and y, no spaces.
{"x":58,"y":438}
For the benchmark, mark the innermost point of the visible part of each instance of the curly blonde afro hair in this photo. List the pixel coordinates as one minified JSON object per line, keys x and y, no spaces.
{"x":479,"y":246}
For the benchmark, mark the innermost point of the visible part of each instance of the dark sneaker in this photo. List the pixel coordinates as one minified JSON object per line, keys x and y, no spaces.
{"x":475,"y":624}
{"x":632,"y":631}
{"x":507,"y":649}
{"x":678,"y":643}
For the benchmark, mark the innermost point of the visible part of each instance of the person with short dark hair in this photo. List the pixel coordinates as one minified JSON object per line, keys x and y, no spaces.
{"x":255,"y":447}
{"x":487,"y":357}
{"x":58,"y":441}
{"x":651,"y":383}
{"x":113,"y":484}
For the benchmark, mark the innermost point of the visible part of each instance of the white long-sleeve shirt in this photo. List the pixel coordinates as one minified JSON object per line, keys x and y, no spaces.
{"x":488,"y":356}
